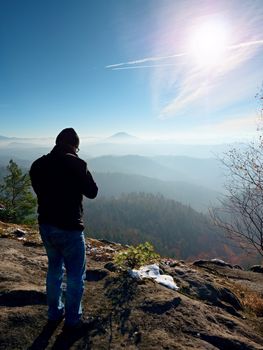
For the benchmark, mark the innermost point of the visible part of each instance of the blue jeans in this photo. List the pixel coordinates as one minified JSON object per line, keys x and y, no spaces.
{"x":64,"y":249}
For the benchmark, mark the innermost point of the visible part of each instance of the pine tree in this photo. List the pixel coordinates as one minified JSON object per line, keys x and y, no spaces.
{"x":16,"y":196}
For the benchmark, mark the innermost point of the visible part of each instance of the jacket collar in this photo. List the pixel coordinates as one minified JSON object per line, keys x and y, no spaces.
{"x":61,"y":150}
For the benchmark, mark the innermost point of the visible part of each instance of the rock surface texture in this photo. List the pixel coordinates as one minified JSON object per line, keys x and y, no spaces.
{"x":207,"y":312}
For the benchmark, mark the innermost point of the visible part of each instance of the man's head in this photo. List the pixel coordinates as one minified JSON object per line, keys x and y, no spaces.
{"x":68,"y":137}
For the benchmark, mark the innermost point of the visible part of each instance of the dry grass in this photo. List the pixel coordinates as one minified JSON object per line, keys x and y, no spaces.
{"x":251,"y":300}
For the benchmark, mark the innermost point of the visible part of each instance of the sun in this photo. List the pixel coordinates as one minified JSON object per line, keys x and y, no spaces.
{"x":209,"y":43}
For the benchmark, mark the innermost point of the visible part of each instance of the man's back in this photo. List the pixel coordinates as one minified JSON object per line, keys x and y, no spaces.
{"x":60,"y":179}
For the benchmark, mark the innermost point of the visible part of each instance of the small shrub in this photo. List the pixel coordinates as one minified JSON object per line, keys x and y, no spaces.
{"x":134,"y":257}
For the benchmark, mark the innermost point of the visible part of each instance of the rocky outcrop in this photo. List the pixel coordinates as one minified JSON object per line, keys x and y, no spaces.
{"x":204,"y":287}
{"x":257,"y":268}
{"x":205,"y":313}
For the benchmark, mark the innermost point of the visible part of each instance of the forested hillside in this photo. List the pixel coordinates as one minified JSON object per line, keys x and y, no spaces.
{"x":191,"y":181}
{"x":174,"y":229}
{"x":196,"y":171}
{"x":115,"y":184}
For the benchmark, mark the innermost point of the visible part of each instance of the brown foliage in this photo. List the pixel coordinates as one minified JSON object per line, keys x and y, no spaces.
{"x":252,"y":300}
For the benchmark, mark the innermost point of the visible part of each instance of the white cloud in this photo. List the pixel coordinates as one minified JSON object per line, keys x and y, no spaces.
{"x":233,"y":128}
{"x":144,"y":60}
{"x":246,"y":44}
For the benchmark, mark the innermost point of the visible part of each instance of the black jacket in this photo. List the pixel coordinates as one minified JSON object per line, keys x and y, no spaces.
{"x":60,"y":179}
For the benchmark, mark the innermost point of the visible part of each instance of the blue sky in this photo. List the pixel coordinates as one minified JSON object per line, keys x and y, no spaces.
{"x":104,"y":66}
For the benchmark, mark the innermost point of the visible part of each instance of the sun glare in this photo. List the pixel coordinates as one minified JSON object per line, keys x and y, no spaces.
{"x":209,"y":43}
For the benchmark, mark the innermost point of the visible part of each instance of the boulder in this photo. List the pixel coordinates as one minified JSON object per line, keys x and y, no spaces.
{"x":257,"y":268}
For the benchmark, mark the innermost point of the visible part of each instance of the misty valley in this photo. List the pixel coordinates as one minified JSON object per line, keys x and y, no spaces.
{"x":163,"y":199}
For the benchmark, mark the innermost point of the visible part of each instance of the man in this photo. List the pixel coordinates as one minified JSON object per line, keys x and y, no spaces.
{"x":60,"y":179}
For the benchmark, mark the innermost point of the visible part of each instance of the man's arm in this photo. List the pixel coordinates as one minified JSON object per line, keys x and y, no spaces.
{"x":34,"y":177}
{"x":89,"y":186}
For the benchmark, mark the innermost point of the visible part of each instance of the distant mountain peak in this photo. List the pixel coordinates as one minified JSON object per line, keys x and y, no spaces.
{"x":121,"y":136}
